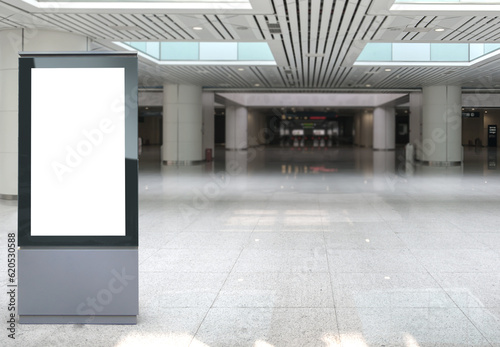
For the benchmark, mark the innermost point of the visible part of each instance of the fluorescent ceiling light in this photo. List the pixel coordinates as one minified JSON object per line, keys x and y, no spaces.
{"x":430,"y":7}
{"x":136,"y":5}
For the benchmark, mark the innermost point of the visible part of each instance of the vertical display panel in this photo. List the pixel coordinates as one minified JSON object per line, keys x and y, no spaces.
{"x":78,"y":150}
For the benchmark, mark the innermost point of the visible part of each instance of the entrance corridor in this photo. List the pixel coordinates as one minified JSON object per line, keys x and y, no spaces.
{"x":325,"y":247}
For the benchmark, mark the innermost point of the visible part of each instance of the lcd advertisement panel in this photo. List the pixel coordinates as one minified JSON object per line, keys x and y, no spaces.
{"x":78,"y":150}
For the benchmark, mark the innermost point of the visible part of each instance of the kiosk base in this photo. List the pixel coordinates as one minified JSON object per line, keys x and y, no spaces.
{"x":78,"y":285}
{"x":78,"y":320}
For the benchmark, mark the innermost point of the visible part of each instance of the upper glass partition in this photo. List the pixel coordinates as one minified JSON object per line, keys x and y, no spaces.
{"x":255,"y":53}
{"x":425,"y":53}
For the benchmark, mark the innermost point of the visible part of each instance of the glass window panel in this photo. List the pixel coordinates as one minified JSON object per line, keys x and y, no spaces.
{"x":179,"y":51}
{"x":140,"y":46}
{"x":218,"y":51}
{"x":153,"y":49}
{"x":411,"y":52}
{"x":490,"y":47}
{"x":254,"y":51}
{"x":375,"y":51}
{"x":475,"y":50}
{"x":449,"y":52}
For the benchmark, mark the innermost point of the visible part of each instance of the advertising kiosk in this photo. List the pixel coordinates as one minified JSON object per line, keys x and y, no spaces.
{"x":78,"y":189}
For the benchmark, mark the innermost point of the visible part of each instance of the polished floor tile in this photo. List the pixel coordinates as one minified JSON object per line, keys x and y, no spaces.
{"x":324,"y":248}
{"x":471,"y":289}
{"x":459,"y":260}
{"x":388,"y":290}
{"x":374,"y":260}
{"x":276,"y":290}
{"x":438,"y":327}
{"x":282,"y":260}
{"x":293,"y":327}
{"x":183,"y":290}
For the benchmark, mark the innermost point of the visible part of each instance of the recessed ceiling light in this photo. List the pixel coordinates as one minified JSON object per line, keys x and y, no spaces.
{"x":241,"y":69}
{"x":197,"y":28}
{"x":256,"y":85}
{"x":387,"y":70}
{"x":439,"y":29}
{"x":368,"y":85}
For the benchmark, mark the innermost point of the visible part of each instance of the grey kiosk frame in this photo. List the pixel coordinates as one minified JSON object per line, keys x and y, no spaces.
{"x":78,"y":279}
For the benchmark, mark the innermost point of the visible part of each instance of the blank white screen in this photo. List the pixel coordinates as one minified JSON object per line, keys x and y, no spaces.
{"x":78,"y":152}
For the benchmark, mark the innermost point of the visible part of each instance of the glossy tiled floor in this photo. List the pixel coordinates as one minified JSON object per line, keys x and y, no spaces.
{"x":280,"y":247}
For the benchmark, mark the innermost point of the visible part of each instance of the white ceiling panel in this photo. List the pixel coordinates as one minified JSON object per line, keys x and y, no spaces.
{"x":314,"y":42}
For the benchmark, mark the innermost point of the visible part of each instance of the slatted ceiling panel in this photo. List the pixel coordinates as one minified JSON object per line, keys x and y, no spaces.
{"x":260,"y":77}
{"x":100,"y":23}
{"x":168,"y":32}
{"x":178,"y":26}
{"x":323,"y":38}
{"x":219,"y":27}
{"x":490,"y":25}
{"x":261,"y":29}
{"x":375,"y":29}
{"x":151,"y":31}
{"x":466,"y":24}
{"x":94,"y":31}
{"x":283,"y":21}
{"x":351,"y":19}
{"x":71,"y":24}
{"x":115,"y":20}
{"x":7,"y":23}
{"x":345,"y":45}
{"x":475,"y":27}
{"x":216,"y":29}
{"x":491,"y":31}
{"x":230,"y":27}
{"x":427,"y":21}
{"x":303,"y":24}
{"x":333,"y":34}
{"x":314,"y":26}
{"x":291,"y":13}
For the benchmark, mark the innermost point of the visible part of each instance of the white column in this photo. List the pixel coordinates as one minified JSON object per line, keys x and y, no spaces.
{"x":442,"y":126}
{"x":236,"y":128}
{"x":384,"y":128}
{"x":182,"y":125}
{"x":12,"y":42}
{"x":208,"y":122}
